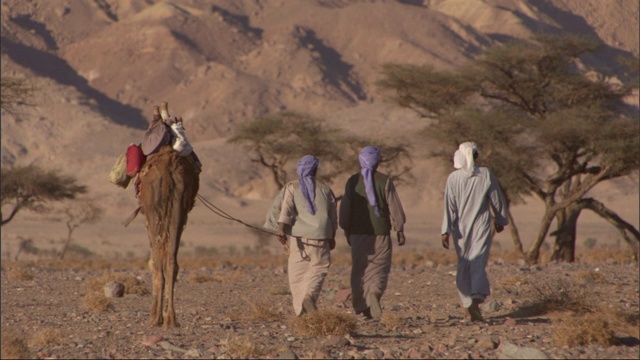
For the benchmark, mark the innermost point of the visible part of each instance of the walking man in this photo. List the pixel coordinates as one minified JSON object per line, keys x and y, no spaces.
{"x":369,"y":210}
{"x":470,"y":193}
{"x":308,"y":223}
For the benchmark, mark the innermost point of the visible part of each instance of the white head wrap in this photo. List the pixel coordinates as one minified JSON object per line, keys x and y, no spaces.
{"x":464,"y":156}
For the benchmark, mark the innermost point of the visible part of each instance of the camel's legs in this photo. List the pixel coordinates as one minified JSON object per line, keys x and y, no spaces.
{"x":178,"y":219}
{"x":157,"y":278}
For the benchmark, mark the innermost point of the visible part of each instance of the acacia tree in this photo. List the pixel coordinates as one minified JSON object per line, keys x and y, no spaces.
{"x":548,"y":125}
{"x":32,"y":188}
{"x":77,"y":213}
{"x":15,"y":92}
{"x":275,"y":141}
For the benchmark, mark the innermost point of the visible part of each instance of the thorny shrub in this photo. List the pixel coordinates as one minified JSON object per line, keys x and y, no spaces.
{"x":323,"y":323}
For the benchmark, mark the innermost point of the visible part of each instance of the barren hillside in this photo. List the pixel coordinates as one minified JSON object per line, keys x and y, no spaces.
{"x":99,"y":67}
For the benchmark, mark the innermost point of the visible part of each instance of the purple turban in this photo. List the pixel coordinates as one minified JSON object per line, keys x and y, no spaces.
{"x":306,"y":167}
{"x":369,"y":158}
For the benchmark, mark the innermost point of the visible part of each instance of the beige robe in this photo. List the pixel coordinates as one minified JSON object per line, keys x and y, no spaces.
{"x":308,"y":238}
{"x":309,"y":262}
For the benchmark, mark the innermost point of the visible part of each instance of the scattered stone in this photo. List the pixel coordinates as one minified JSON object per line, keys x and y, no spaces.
{"x":511,"y":351}
{"x":152,"y":340}
{"x":288,"y":354}
{"x":510,"y":322}
{"x":414,"y":353}
{"x":374,"y":354}
{"x":486,"y":343}
{"x":169,"y":346}
{"x":113,"y":289}
{"x":337,"y":341}
{"x":213,"y":349}
{"x":193,"y":353}
{"x":490,"y":306}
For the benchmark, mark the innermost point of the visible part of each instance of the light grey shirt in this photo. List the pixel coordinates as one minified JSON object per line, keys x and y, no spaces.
{"x":293,"y":212}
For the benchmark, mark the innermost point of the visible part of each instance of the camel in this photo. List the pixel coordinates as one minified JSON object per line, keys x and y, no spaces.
{"x":168,"y":185}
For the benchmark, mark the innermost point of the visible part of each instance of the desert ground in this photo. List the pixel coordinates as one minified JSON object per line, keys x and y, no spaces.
{"x":98,"y":67}
{"x":239,"y":306}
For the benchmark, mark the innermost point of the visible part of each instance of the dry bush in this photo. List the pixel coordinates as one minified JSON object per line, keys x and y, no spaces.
{"x":408,"y":258}
{"x":508,"y":256}
{"x":585,"y":329}
{"x":131,"y":284}
{"x":280,"y":290}
{"x":13,"y":345}
{"x":557,"y":295}
{"x":46,"y":337}
{"x":254,"y":311}
{"x":392,"y":320}
{"x":96,"y":302}
{"x":199,"y":278}
{"x":440,"y":257}
{"x":243,"y":348}
{"x":323,"y":323}
{"x":20,"y":274}
{"x":590,"y":276}
{"x":262,"y":313}
{"x":94,"y":264}
{"x":512,"y":281}
{"x":598,"y":256}
{"x":230,"y":277}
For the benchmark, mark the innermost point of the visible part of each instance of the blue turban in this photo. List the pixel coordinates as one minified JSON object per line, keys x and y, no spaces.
{"x":306,"y":167}
{"x":369,"y":158}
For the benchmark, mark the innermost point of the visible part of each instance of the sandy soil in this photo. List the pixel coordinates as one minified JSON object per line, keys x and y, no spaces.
{"x":223,"y":307}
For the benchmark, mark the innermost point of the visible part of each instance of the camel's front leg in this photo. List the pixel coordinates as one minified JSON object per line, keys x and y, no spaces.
{"x":171,"y":273}
{"x":157,"y":278}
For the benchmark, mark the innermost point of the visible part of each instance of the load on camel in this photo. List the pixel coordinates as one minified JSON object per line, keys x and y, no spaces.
{"x":166,"y":172}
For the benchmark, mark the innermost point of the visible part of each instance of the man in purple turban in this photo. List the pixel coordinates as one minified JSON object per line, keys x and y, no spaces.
{"x":471,"y":195}
{"x":369,"y":210}
{"x":307,"y":223}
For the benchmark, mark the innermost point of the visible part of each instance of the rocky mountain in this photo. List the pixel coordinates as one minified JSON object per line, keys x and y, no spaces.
{"x":99,"y":66}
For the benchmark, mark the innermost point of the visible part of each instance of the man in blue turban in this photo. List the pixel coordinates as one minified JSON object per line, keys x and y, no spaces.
{"x":471,"y":195}
{"x":307,"y":223}
{"x":369,"y":210}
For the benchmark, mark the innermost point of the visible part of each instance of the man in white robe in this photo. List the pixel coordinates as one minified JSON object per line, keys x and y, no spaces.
{"x":471,"y":194}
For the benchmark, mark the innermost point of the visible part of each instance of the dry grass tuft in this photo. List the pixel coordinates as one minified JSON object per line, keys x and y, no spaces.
{"x":243,"y":348}
{"x":13,"y":345}
{"x":200,"y":279}
{"x":20,"y":274}
{"x":392,"y":320}
{"x":585,"y":329}
{"x":131,"y":284}
{"x":323,"y":323}
{"x":96,"y":302}
{"x":590,"y":276}
{"x":602,"y":255}
{"x":233,"y":277}
{"x":46,"y":337}
{"x":280,"y":290}
{"x":560,"y":295}
{"x":262,"y":313}
{"x":408,"y":258}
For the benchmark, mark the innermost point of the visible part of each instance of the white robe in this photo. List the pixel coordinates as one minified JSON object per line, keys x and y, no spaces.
{"x":467,"y":218}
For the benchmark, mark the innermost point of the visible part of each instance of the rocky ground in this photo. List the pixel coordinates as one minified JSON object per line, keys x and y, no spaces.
{"x":241,"y":309}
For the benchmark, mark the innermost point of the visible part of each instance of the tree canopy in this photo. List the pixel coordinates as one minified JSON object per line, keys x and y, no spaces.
{"x":30,"y":187}
{"x":547,"y":124}
{"x":277,"y":140}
